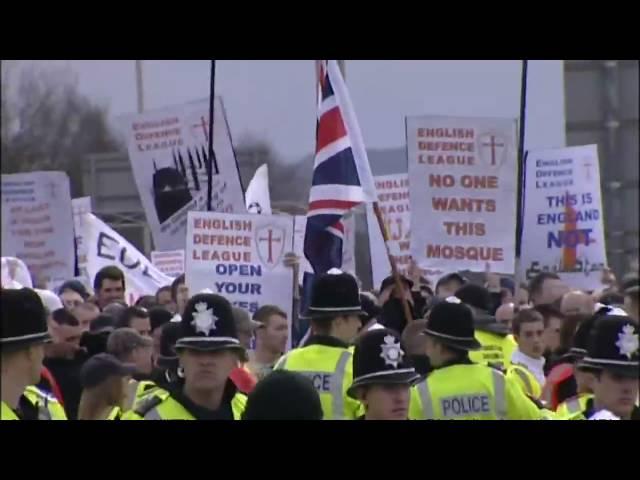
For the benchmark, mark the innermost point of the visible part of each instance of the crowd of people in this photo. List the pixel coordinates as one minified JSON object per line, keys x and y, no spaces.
{"x":496,"y":350}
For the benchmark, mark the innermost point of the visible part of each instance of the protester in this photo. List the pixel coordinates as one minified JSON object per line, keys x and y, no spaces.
{"x":382,"y":377}
{"x":334,"y":311}
{"x":104,"y":381}
{"x":553,"y":320}
{"x":72,"y":294}
{"x":136,"y":318}
{"x":271,"y":337}
{"x":370,"y":312}
{"x":496,"y":342}
{"x":458,"y":388}
{"x":393,"y":314}
{"x":527,"y":361}
{"x":116,"y":310}
{"x":109,"y":285}
{"x":158,"y":316}
{"x":577,"y":301}
{"x":180,"y":294}
{"x":283,"y":395}
{"x":24,"y":332}
{"x":146,"y":302}
{"x":208,"y":352}
{"x":546,"y":288}
{"x":414,"y":342}
{"x":129,"y":347}
{"x":631,"y":289}
{"x":505,"y":314}
{"x":612,"y":356}
{"x":241,"y":375}
{"x":164,"y":298}
{"x":449,"y":284}
{"x":85,"y":313}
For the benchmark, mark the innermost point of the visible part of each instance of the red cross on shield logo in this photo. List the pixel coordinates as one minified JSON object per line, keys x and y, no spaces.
{"x":270,"y":244}
{"x":492,"y":148}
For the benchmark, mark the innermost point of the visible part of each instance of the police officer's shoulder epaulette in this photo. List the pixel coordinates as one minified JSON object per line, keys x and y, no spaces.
{"x":498,"y":367}
{"x":150,"y":402}
{"x":147,"y":386}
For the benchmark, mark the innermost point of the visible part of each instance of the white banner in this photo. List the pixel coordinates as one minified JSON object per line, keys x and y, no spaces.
{"x":81,"y":206}
{"x":171,"y":262}
{"x":37,"y":225}
{"x":563,"y":228}
{"x":168,"y":150}
{"x":240,"y":257}
{"x":106,"y":247}
{"x":393,"y":199}
{"x":257,"y":196}
{"x":462,"y":183}
{"x":348,"y":245}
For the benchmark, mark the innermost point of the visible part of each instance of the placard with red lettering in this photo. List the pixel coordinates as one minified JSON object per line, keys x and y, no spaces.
{"x":168,"y":151}
{"x":241,"y":258}
{"x":563,"y":228}
{"x":170,"y":263}
{"x":393,"y":200}
{"x":37,"y":225}
{"x":462,"y":184}
{"x":107,"y":247}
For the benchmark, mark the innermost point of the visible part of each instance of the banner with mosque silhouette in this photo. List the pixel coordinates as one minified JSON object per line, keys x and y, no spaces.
{"x":168,"y":151}
{"x":563,"y":228}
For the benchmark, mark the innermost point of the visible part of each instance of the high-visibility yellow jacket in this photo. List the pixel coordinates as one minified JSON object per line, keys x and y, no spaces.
{"x":328,"y":363}
{"x":47,"y":405}
{"x":573,"y":405}
{"x":160,"y":405}
{"x":525,"y":379}
{"x":136,"y":390}
{"x":468,"y":391}
{"x":496,"y":349}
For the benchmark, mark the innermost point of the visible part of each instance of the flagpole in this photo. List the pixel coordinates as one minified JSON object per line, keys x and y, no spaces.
{"x":521,"y":155}
{"x":212,"y":96}
{"x":385,"y":235}
{"x":139,"y":86}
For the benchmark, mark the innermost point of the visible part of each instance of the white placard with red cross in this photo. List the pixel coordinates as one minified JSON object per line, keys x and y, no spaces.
{"x":462,"y":185}
{"x":241,"y":258}
{"x":563,"y":228}
{"x":168,"y":151}
{"x":37,"y":225}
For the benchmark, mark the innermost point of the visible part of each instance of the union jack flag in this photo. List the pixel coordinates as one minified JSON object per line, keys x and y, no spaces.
{"x":341,"y":173}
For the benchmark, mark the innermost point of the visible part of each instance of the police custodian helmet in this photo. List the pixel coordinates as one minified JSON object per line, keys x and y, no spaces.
{"x":334,"y":293}
{"x":24,"y":318}
{"x":613,"y":346}
{"x":451,"y":322}
{"x":379,"y":359}
{"x":208,"y":325}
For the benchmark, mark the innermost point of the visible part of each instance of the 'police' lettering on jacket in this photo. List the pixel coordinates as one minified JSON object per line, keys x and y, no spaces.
{"x":465,"y":405}
{"x":321,"y":380}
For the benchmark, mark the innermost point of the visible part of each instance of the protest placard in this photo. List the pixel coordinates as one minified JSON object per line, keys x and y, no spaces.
{"x":171,"y":262}
{"x":462,"y":184}
{"x":80,"y":206}
{"x":106,"y":247}
{"x":563,"y":228}
{"x":37,"y":225}
{"x":393,"y":200}
{"x":241,"y":258}
{"x":168,"y":151}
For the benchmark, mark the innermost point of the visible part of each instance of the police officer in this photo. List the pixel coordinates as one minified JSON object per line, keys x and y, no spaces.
{"x":383,"y":379}
{"x":457,"y":388}
{"x":612,"y":356}
{"x":334,"y":312}
{"x":208,"y":350}
{"x":24,"y":333}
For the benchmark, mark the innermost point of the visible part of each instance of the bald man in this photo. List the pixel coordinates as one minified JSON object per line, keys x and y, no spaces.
{"x":577,"y":302}
{"x":505,"y":314}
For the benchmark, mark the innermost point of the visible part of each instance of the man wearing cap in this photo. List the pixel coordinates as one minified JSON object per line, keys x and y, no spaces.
{"x":612,"y":356}
{"x":243,"y":378}
{"x":382,"y":378}
{"x":129,"y":347}
{"x":334,"y":311}
{"x":208,"y":350}
{"x":104,"y":381}
{"x":457,"y":388}
{"x":24,"y":333}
